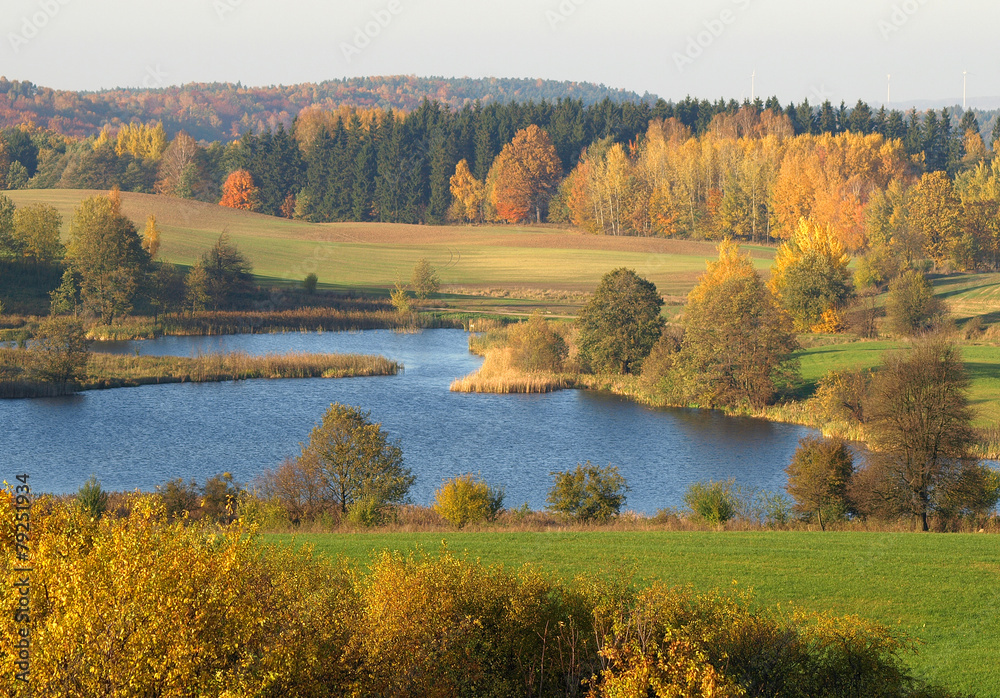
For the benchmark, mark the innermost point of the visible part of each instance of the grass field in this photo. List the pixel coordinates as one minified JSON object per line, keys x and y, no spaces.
{"x":941,"y":589}
{"x":374,"y":256}
{"x":982,"y":361}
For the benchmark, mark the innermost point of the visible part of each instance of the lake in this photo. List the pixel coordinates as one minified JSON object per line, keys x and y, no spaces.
{"x":142,"y":437}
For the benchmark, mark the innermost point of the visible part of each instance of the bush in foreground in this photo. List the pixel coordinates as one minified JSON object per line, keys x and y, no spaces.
{"x":140,"y":605}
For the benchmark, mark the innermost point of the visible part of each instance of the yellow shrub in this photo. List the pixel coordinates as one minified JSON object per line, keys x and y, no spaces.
{"x":465,"y":499}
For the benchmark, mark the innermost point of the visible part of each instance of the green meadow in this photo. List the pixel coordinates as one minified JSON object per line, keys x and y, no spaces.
{"x":941,"y":590}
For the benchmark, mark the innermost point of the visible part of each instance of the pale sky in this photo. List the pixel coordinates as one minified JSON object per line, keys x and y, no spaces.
{"x":836,"y":49}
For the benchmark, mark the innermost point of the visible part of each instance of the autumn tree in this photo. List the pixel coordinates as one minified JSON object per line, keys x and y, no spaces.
{"x":810,"y":278}
{"x":620,"y":323}
{"x":106,"y":251}
{"x":9,"y":244}
{"x":141,"y":141}
{"x":979,"y":192}
{"x":737,"y":341}
{"x":919,"y":429}
{"x":934,"y":216}
{"x":151,"y":237}
{"x":196,"y":288}
{"x":180,"y":172}
{"x":356,"y":459}
{"x":166,"y":288}
{"x":467,"y":195}
{"x":818,"y":477}
{"x":36,"y":232}
{"x":525,"y":175}
{"x":240,"y":192}
{"x":66,"y":298}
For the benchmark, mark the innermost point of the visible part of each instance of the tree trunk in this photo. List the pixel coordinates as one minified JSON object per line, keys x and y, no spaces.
{"x":819,"y":515}
{"x":923,"y":521}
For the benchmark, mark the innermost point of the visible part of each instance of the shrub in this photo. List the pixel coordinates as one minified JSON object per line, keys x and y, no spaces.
{"x":465,"y":499}
{"x":91,"y":499}
{"x":535,"y":346}
{"x":588,"y":493}
{"x":366,"y":512}
{"x":141,"y":606}
{"x":715,"y":502}
{"x":400,"y":301}
{"x":309,"y":283}
{"x":424,"y":280}
{"x":179,"y":498}
{"x":298,"y":487}
{"x":219,"y":498}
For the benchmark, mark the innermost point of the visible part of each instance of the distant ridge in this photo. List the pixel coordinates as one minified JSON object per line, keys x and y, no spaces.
{"x":218,"y":111}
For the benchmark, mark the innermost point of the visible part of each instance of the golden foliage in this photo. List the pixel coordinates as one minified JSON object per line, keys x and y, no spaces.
{"x":141,"y":141}
{"x":466,"y":499}
{"x":467,"y":192}
{"x":134,"y":604}
{"x":151,"y":236}
{"x":822,"y":247}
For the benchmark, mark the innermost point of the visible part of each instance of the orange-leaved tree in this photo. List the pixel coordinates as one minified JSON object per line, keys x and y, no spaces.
{"x":525,"y":175}
{"x":239,"y":191}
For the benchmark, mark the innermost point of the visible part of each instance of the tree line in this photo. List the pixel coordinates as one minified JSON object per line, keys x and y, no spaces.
{"x":693,"y":168}
{"x":109,"y":267}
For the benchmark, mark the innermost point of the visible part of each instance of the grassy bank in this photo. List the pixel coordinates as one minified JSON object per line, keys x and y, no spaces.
{"x":123,"y":371}
{"x":943,"y":590}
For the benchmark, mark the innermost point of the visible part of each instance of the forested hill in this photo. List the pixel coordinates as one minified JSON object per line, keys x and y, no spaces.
{"x":222,"y":111}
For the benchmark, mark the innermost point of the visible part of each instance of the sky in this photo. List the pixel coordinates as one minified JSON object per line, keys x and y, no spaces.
{"x":816,"y":49}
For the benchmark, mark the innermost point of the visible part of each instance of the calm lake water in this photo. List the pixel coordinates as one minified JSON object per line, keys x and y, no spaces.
{"x":141,"y":437}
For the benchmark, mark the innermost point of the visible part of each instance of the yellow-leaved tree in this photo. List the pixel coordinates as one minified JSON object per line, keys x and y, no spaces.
{"x":151,"y":236}
{"x":467,"y":195}
{"x":810,"y":277}
{"x":141,"y":141}
{"x":737,"y":346}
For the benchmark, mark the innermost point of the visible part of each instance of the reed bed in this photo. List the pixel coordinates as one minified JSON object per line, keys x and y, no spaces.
{"x":499,"y":375}
{"x":122,"y":371}
{"x":210,"y":323}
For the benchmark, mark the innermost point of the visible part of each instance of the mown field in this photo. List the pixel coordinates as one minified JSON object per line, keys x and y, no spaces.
{"x":943,"y":590}
{"x":374,"y":256}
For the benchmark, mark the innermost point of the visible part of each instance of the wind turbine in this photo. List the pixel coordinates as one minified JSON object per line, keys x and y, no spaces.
{"x":965,"y":76}
{"x":888,"y":89}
